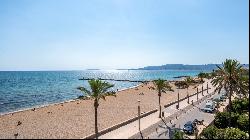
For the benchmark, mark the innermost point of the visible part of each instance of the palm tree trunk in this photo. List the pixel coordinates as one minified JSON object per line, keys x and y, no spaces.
{"x":230,"y":106}
{"x":96,"y":124}
{"x":159,"y":94}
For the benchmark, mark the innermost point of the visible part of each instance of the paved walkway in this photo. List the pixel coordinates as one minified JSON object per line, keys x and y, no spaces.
{"x":165,"y":128}
{"x":175,"y":116}
{"x":131,"y":129}
{"x":169,"y":127}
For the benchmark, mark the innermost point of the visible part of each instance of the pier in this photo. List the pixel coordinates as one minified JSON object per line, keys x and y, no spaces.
{"x":119,"y":80}
{"x":136,"y":81}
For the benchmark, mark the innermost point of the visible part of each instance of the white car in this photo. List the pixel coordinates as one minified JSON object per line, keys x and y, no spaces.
{"x":210,"y":101}
{"x":209,"y":107}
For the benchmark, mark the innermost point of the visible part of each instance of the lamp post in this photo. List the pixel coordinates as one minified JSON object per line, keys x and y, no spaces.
{"x":178,"y":99}
{"x":139,"y":114}
{"x":207,"y":87}
{"x":188,"y":96}
{"x":202,"y":90}
{"x":197,"y":94}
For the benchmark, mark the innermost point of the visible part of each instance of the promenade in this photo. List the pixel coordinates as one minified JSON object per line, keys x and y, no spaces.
{"x":150,"y":122}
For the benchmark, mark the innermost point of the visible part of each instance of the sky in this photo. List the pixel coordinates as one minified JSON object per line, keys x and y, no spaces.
{"x":115,"y":34}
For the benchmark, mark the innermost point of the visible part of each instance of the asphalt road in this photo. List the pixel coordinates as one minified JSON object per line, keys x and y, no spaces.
{"x":166,"y":131}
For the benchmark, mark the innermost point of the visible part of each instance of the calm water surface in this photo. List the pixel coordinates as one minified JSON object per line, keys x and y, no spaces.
{"x":21,"y":90}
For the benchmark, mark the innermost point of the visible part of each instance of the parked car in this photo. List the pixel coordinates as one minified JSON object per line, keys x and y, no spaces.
{"x":189,"y":127}
{"x":212,"y":101}
{"x":198,"y":122}
{"x":222,"y":98}
{"x":209,"y":107}
{"x":224,"y":94}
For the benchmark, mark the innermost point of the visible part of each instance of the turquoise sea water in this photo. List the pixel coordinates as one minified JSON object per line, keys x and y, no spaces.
{"x":27,"y":89}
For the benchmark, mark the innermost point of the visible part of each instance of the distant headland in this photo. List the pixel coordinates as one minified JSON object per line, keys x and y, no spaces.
{"x":206,"y":67}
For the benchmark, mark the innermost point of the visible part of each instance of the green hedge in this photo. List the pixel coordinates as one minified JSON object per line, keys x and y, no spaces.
{"x":243,"y":122}
{"x":213,"y":132}
{"x":239,"y":105}
{"x":222,"y":119}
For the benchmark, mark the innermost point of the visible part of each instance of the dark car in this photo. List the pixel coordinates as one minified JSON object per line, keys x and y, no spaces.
{"x":189,"y":127}
{"x":223,"y":97}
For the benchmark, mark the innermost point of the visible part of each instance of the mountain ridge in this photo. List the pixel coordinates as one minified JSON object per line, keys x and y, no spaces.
{"x":184,"y":67}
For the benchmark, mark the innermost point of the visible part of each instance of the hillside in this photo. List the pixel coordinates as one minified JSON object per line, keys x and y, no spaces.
{"x":207,"y":67}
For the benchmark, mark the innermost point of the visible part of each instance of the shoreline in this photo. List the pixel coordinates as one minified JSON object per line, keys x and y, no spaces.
{"x":73,"y":100}
{"x":57,"y":103}
{"x":75,"y":118}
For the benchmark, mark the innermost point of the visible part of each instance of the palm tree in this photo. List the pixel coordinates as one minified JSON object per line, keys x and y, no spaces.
{"x":161,"y":86}
{"x":202,"y":75}
{"x":245,"y":81}
{"x":188,"y":81}
{"x":99,"y":90}
{"x":229,"y":77}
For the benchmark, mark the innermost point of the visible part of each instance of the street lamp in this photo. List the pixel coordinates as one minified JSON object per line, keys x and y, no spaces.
{"x":197,"y":94}
{"x":188,"y":95}
{"x":207,"y":87}
{"x":178,"y":99}
{"x":202,"y":90}
{"x":139,"y":115}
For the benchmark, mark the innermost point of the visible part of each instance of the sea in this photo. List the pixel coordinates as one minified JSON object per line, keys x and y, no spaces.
{"x":20,"y":90}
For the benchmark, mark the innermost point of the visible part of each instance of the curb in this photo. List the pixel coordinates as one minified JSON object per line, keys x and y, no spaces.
{"x":167,"y":119}
{"x":102,"y":132}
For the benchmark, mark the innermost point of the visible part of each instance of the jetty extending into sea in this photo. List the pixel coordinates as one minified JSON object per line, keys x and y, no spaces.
{"x":137,"y":81}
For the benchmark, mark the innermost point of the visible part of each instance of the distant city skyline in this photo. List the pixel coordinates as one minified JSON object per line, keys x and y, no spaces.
{"x":120,"y":34}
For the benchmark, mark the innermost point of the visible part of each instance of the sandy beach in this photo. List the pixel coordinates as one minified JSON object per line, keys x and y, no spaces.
{"x":76,"y":119}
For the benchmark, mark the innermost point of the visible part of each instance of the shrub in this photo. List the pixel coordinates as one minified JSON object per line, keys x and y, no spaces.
{"x":245,"y":104}
{"x":239,"y":105}
{"x":210,"y":132}
{"x":178,"y":134}
{"x":222,"y":119}
{"x":243,"y":123}
{"x":213,"y":132}
{"x":181,"y":84}
{"x":234,"y":133}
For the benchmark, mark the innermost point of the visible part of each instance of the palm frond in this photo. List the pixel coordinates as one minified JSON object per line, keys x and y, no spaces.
{"x":104,"y":95}
{"x":83,"y":89}
{"x":229,"y":77}
{"x":162,"y":85}
{"x":99,"y":89}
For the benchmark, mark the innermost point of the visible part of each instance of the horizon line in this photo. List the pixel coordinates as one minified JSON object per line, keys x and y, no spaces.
{"x":140,"y":68}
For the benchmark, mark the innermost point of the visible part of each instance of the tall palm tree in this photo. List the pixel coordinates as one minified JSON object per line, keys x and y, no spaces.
{"x":245,"y":81}
{"x":99,"y":90}
{"x":229,"y":77}
{"x":161,"y":86}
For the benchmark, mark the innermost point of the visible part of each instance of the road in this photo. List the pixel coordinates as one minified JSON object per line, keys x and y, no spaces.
{"x":166,"y":130}
{"x":150,"y":122}
{"x":131,"y":129}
